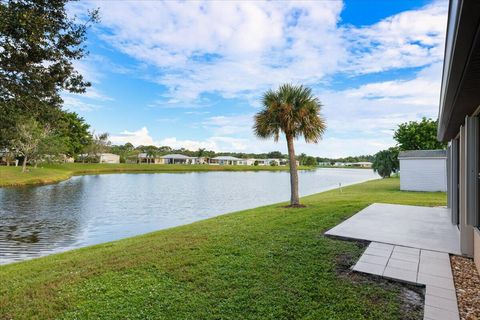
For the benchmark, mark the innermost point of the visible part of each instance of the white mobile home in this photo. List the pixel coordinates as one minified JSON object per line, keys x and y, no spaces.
{"x":177,"y":159}
{"x":228,"y":161}
{"x":423,"y":170}
{"x":362,"y":164}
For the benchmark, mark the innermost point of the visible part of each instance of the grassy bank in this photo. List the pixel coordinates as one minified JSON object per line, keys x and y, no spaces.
{"x":13,"y":176}
{"x":265,"y":263}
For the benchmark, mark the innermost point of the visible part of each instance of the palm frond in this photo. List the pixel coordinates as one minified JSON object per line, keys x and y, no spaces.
{"x":293,"y":110}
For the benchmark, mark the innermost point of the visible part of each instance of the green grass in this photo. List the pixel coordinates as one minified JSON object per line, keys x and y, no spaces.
{"x":265,"y":263}
{"x":13,"y":176}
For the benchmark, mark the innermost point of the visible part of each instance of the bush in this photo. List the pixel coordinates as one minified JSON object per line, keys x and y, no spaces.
{"x":386,"y":162}
{"x":310,"y":161}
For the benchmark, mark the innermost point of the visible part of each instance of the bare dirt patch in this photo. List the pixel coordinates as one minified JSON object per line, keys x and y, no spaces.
{"x":412,"y":298}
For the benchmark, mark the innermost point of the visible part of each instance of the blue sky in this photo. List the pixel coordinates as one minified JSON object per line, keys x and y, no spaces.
{"x":190,"y":74}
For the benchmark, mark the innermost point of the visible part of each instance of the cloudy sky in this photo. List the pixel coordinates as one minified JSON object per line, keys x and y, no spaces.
{"x":191,"y":74}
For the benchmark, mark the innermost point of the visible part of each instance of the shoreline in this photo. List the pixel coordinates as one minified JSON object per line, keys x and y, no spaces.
{"x":325,"y":189}
{"x":256,"y":247}
{"x":51,"y":174}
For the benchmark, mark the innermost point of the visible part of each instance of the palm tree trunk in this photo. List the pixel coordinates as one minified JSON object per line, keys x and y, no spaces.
{"x":294,"y":198}
{"x":24,"y":165}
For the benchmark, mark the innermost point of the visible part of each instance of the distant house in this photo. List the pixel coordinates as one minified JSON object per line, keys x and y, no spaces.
{"x":265,"y":162}
{"x":276,"y":162}
{"x":262,"y":162}
{"x":146,"y":158}
{"x":109,"y":158}
{"x":340,"y":164}
{"x":178,"y":159}
{"x":200,"y":160}
{"x":423,"y":170}
{"x":362,"y":164}
{"x":228,"y":161}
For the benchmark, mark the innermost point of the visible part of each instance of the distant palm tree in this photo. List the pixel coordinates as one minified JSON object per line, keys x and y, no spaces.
{"x":295,"y":112}
{"x":151,"y":154}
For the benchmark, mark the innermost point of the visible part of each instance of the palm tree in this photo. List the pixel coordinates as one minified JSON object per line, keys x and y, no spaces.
{"x":151,"y":154}
{"x":295,"y":112}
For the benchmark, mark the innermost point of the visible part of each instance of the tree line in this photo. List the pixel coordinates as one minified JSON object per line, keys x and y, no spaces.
{"x":129,"y":151}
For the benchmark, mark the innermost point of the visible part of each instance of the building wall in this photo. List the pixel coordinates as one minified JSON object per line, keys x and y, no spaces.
{"x":109,"y":158}
{"x":466,"y":231}
{"x":428,"y":174}
{"x":476,"y":246}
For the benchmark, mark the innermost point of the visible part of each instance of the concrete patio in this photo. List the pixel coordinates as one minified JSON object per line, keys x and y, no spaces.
{"x":409,"y":244}
{"x":410,"y":226}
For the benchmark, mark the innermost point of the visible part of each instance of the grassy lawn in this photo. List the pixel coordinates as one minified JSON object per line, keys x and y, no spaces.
{"x":265,"y":263}
{"x":12,"y":176}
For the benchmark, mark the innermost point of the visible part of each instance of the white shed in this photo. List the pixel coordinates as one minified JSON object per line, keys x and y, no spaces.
{"x":423,"y":170}
{"x":109,"y":158}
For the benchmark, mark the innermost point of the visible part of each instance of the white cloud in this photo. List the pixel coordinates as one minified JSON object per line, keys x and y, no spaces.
{"x":86,"y":102}
{"x":229,"y":125}
{"x":239,"y":49}
{"x":412,"y":38}
{"x":360,"y":120}
{"x":73,"y":102}
{"x":93,"y":97}
{"x":139,"y":137}
{"x":231,"y":48}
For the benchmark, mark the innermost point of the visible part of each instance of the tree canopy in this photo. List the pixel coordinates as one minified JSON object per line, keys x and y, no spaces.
{"x":418,"y":135}
{"x":40,"y":43}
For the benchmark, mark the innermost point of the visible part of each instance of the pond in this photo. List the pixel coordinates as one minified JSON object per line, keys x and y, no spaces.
{"x":86,"y":210}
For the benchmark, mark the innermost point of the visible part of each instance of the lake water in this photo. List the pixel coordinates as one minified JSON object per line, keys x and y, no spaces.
{"x":86,"y":210}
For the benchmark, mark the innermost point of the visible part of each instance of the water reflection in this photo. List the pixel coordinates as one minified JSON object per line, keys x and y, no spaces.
{"x":87,"y":210}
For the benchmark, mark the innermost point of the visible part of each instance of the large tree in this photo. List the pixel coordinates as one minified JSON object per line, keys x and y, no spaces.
{"x":294,"y":111}
{"x":418,"y":135}
{"x":39,"y":43}
{"x":75,"y":132}
{"x":29,"y":137}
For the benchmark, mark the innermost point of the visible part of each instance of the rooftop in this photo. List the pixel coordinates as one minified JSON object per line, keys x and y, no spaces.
{"x":226,"y":158}
{"x":423,"y":154}
{"x":175,"y":156}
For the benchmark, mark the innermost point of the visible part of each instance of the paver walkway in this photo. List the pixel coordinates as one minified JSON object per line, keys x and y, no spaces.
{"x":416,"y":266}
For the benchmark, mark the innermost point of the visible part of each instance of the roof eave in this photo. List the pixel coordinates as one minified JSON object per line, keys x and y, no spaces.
{"x":460,"y":76}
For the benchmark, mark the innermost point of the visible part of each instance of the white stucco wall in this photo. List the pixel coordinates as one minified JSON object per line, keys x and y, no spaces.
{"x":109,"y":158}
{"x":423,"y":174}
